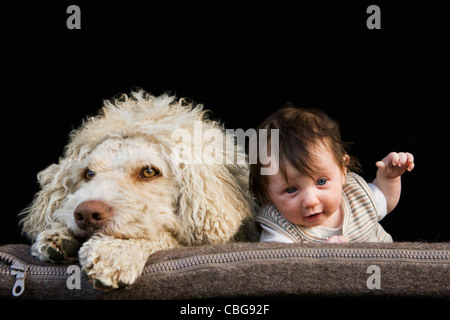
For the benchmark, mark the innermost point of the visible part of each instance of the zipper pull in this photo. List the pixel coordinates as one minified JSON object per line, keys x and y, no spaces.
{"x":19,"y":270}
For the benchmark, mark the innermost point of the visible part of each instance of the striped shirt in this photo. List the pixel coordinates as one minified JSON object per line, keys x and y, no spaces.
{"x":360,"y":218}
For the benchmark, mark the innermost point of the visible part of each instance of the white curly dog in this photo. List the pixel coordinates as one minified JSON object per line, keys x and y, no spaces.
{"x":124,"y":188}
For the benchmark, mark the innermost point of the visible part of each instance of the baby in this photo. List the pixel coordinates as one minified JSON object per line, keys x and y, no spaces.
{"x":315,"y":196}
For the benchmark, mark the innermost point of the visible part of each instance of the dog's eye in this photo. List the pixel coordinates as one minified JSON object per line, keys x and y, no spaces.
{"x":88,"y":174}
{"x":148,"y":172}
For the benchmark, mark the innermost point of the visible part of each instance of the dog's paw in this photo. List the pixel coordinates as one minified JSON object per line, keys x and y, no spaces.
{"x":56,"y":246}
{"x":109,"y":265}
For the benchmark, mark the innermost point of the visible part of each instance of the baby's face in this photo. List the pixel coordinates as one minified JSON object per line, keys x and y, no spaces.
{"x":310,"y":201}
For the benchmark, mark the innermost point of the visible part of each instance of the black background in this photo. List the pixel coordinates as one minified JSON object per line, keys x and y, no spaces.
{"x":387,"y":88}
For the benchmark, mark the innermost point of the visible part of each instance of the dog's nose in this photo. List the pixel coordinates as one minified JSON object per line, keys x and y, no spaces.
{"x":92,"y":214}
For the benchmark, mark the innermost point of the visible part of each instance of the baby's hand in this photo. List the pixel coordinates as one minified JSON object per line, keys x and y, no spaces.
{"x":337,"y":239}
{"x":395,"y":164}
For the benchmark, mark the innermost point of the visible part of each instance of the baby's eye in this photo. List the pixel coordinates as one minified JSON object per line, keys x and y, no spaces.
{"x":322,"y":181}
{"x":291,"y":190}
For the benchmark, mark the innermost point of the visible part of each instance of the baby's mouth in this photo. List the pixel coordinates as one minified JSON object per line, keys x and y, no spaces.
{"x":313,"y":216}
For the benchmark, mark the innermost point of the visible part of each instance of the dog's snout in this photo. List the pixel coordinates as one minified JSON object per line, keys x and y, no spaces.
{"x":92,"y":215}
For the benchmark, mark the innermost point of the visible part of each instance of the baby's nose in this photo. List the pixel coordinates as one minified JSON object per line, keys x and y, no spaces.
{"x":310,"y":200}
{"x":92,"y":214}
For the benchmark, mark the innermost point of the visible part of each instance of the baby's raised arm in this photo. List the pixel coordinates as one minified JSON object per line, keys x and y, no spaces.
{"x":389,"y":172}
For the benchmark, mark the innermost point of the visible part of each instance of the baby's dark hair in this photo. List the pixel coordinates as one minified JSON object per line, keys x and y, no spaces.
{"x":298,"y":129}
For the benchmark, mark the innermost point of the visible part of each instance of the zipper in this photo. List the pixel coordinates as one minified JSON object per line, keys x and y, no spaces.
{"x":14,"y":267}
{"x":20,"y":271}
{"x":10,"y":265}
{"x":180,"y":264}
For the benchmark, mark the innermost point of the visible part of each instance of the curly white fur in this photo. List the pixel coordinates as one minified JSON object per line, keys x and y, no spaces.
{"x":189,"y":204}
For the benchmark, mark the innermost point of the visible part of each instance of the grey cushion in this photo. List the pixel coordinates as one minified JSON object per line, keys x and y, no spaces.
{"x":408,"y":269}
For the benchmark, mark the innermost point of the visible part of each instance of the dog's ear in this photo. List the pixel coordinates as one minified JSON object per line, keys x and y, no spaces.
{"x":38,"y":215}
{"x":214,"y":198}
{"x":212,"y":204}
{"x":56,"y":182}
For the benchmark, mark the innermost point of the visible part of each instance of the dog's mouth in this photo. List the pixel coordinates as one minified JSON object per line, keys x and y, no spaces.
{"x":83,"y":235}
